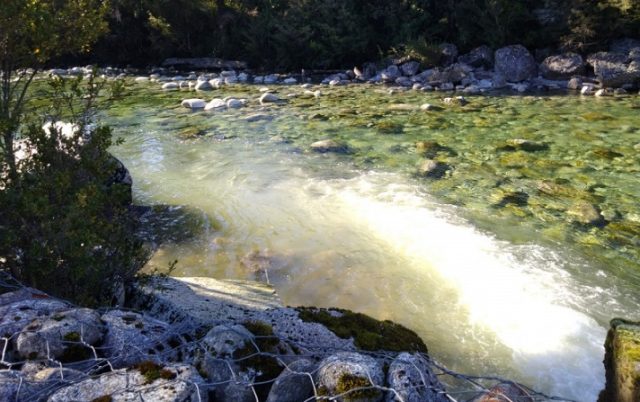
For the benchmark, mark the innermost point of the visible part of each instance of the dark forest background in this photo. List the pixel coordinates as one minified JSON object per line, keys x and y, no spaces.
{"x":291,"y":34}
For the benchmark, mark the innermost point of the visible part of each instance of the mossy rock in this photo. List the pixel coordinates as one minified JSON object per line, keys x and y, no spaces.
{"x":622,"y":362}
{"x":356,"y":388}
{"x":367,"y":332}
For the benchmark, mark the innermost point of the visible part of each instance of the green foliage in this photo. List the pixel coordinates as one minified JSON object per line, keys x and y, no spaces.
{"x":428,"y":54}
{"x":65,"y":224}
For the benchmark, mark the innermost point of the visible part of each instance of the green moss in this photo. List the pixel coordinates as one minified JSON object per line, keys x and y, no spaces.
{"x":367,"y":332}
{"x":265,"y":338}
{"x":152,"y":371}
{"x":350,"y":385}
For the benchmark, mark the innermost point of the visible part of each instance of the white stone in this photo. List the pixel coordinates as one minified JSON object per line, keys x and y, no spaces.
{"x":194,"y":103}
{"x":170,"y":86}
{"x":234,"y":103}
{"x":216,"y":103}
{"x":141,"y":79}
{"x":268,"y":97}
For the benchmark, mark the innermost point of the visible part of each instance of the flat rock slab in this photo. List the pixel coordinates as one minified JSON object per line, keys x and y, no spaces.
{"x":207,"y":300}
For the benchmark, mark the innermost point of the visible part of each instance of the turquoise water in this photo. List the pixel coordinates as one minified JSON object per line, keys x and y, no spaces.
{"x":494,"y":264}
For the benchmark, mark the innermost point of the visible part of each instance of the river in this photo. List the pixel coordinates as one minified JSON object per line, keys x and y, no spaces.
{"x":515,"y":289}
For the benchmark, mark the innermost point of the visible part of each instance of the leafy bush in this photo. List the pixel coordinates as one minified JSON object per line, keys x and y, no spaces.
{"x":65,"y":222}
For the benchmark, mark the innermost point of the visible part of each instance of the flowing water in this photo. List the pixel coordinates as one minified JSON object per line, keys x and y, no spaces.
{"x":488,"y":263}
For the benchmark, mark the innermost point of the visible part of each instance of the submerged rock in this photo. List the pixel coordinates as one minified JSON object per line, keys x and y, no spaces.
{"x":433,"y":169}
{"x":586,"y":214}
{"x":324,"y":146}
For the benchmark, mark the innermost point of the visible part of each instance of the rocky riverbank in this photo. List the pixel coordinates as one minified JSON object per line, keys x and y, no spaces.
{"x":199,"y":339}
{"x":482,"y":70}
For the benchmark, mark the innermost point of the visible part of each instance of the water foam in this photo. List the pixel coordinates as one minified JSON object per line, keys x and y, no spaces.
{"x":518,"y":298}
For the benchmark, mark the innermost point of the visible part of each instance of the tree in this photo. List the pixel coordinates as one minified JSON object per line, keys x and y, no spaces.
{"x":32,"y":32}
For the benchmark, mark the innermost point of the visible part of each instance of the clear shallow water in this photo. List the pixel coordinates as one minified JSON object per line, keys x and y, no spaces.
{"x":516,"y":290}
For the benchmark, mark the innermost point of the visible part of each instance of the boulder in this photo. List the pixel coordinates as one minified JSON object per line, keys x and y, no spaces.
{"x":448,"y":53}
{"x":410,"y":68}
{"x":612,"y":70}
{"x":270,"y":79}
{"x":238,"y":392}
{"x":505,"y":392}
{"x":622,"y":362}
{"x":481,"y":56}
{"x":132,"y":337}
{"x":234,"y":103}
{"x":411,"y":377}
{"x":515,"y":63}
{"x":170,"y":86}
{"x":353,"y":375}
{"x":216,"y":104}
{"x":563,"y":66}
{"x":294,"y":383}
{"x":290,"y":81}
{"x":269,"y":97}
{"x":225,"y":340}
{"x":21,"y":307}
{"x":194,"y":103}
{"x":390,"y":74}
{"x":61,"y":335}
{"x":145,"y":382}
{"x":203,"y":86}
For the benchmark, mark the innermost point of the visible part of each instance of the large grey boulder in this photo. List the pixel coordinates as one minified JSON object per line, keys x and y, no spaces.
{"x":411,"y":377}
{"x":613,"y":69}
{"x":481,"y":56}
{"x":238,"y":392}
{"x":515,"y":63}
{"x":175,"y":383}
{"x":64,"y":331}
{"x":294,"y":384}
{"x":352,"y":375}
{"x":410,"y":68}
{"x":562,"y":66}
{"x":390,"y":74}
{"x":20,"y":308}
{"x":132,"y":337}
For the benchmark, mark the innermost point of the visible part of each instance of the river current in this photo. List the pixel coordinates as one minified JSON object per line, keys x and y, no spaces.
{"x":489,"y":264}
